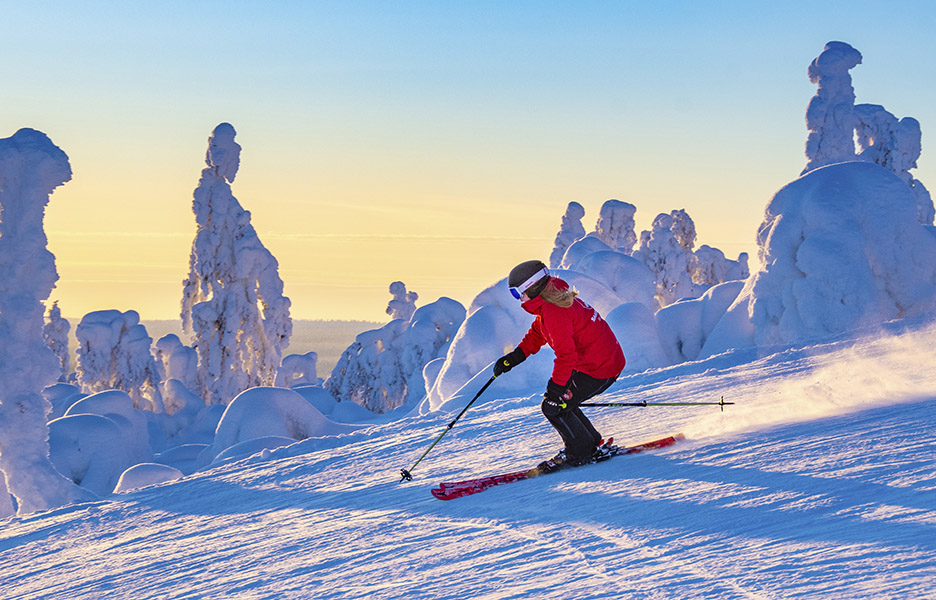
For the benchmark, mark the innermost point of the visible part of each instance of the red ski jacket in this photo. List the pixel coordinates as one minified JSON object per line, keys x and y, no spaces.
{"x":581,"y":339}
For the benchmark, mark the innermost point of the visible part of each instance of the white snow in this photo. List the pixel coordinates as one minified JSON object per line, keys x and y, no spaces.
{"x":176,"y":361}
{"x":118,"y":406}
{"x":841,"y":248}
{"x":818,"y":482}
{"x":90,"y":450}
{"x":896,"y":145}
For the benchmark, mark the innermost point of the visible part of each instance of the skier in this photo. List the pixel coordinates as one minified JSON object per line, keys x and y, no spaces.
{"x":588,"y":358}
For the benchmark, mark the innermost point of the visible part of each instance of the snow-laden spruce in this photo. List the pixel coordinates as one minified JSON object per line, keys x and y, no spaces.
{"x":176,"y":363}
{"x":615,"y":226}
{"x":114,"y":354}
{"x":403,"y":304}
{"x":570,"y":231}
{"x":830,"y":116}
{"x":667,"y":251}
{"x":31,"y":167}
{"x":55,"y":332}
{"x":383,"y":369}
{"x":232,"y":302}
{"x":298,"y":369}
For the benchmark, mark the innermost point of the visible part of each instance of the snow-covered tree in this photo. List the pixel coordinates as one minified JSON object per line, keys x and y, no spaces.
{"x":298,"y":369}
{"x":31,"y":167}
{"x":841,"y":248}
{"x":570,"y":231}
{"x":178,"y":369}
{"x":232,"y":302}
{"x":661,"y":250}
{"x":55,"y":333}
{"x":712,"y":267}
{"x":830,"y":116}
{"x":403,"y":304}
{"x":176,"y":360}
{"x":895,"y":144}
{"x":114,"y":354}
{"x":382,"y":369}
{"x":615,"y":226}
{"x":684,"y":229}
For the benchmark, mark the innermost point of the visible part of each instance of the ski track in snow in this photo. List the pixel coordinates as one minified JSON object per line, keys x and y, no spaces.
{"x":819,"y":482}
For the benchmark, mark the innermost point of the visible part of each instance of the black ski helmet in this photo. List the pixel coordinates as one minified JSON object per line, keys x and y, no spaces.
{"x":524,"y":271}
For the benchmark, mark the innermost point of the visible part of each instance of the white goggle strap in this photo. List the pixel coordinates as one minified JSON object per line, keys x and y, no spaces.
{"x":523,"y":287}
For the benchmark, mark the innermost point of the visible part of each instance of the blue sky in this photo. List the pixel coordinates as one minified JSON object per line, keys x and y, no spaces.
{"x":431,"y":142}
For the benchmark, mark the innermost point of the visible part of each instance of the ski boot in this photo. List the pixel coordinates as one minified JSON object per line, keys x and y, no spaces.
{"x":557,"y":462}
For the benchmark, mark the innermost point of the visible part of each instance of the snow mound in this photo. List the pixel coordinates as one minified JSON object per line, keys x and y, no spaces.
{"x":266,"y":411}
{"x":61,"y":396}
{"x":117,"y":405}
{"x":685,"y":326}
{"x":841,"y":248}
{"x":145,"y":474}
{"x":635,"y":328}
{"x":183,"y":457}
{"x":615,"y":226}
{"x":350,"y":412}
{"x":318,"y":397}
{"x":627,"y":277}
{"x":91,"y":450}
{"x":223,"y":153}
{"x":580,"y":249}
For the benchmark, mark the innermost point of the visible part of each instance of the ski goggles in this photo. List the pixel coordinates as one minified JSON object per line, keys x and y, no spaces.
{"x":518,"y":291}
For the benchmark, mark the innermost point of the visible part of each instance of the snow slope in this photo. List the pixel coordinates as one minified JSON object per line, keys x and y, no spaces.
{"x":819,"y":483}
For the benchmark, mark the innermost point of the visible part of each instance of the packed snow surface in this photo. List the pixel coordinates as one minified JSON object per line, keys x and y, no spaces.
{"x":819,"y":482}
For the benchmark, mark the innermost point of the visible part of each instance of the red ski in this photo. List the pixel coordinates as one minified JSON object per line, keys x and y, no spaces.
{"x":457,"y":489}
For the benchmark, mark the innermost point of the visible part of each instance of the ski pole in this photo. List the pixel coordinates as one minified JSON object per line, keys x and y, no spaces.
{"x":721,"y":403}
{"x":405,"y":472}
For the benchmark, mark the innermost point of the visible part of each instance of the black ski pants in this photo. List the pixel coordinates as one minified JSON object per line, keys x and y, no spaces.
{"x":578,"y":434}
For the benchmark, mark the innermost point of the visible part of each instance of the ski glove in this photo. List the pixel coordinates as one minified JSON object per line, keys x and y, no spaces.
{"x":508,"y":361}
{"x":555,"y":399}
